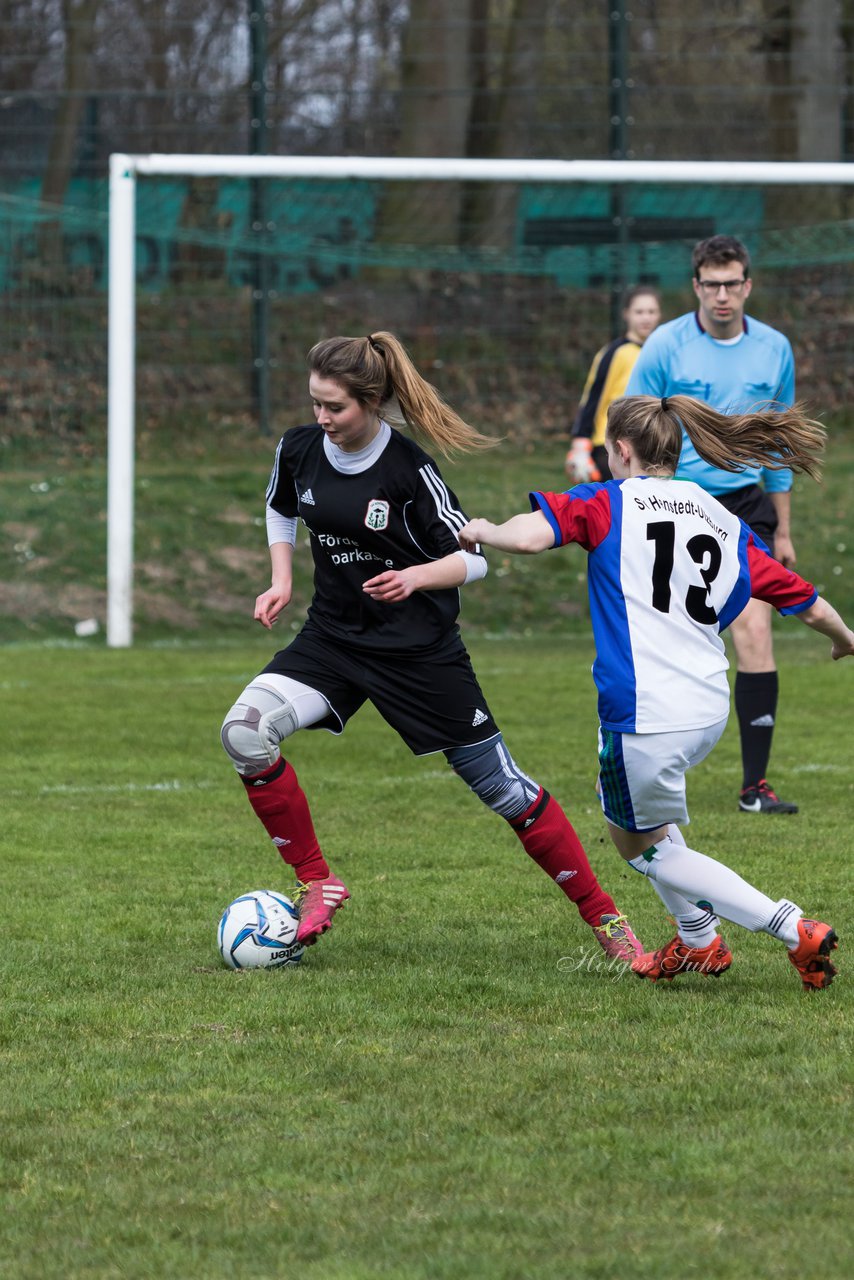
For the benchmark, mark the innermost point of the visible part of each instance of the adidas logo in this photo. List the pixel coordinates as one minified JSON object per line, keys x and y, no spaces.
{"x":280,"y":842}
{"x":480,"y":717}
{"x":307,"y":499}
{"x":334,"y":895}
{"x":764,"y":722}
{"x":563,"y":876}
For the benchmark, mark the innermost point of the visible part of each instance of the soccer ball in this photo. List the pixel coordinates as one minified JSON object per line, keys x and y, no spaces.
{"x":258,"y":931}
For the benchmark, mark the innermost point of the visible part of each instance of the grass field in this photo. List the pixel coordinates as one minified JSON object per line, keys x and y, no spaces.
{"x":452,"y":1085}
{"x":200,"y":552}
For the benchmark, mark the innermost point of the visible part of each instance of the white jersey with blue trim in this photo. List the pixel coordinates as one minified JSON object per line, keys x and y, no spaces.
{"x":668,"y":569}
{"x":756,"y":372}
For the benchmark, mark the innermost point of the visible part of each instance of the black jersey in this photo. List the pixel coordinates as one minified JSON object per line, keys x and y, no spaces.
{"x":398,"y":512}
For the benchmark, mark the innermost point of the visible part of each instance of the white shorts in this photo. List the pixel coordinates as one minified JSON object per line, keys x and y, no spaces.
{"x":642,"y":775}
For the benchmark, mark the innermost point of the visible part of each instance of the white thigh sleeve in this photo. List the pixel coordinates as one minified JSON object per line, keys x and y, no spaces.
{"x":270,"y":709}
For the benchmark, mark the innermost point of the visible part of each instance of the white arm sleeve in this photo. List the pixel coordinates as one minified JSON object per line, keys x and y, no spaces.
{"x":280,"y":528}
{"x":476,"y":566}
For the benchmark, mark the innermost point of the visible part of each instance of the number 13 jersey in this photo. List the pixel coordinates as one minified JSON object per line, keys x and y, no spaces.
{"x":668,"y":569}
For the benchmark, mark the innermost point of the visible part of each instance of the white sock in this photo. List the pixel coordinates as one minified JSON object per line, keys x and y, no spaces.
{"x":703,"y":880}
{"x":696,"y":926}
{"x":784,"y":923}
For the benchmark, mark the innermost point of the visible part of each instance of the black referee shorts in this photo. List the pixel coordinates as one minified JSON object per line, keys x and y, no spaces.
{"x":433,"y":701}
{"x":755,"y":508}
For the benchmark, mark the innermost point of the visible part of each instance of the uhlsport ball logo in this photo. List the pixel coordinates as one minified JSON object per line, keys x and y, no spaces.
{"x":258,"y":930}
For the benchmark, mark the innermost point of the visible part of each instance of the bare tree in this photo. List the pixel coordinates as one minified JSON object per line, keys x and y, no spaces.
{"x":434,"y":111}
{"x":818,"y":78}
{"x":29,"y":62}
{"x":806,"y":75}
{"x":503,"y":119}
{"x":79,"y":27}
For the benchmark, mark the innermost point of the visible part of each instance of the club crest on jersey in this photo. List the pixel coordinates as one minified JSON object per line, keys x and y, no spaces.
{"x":376,"y":516}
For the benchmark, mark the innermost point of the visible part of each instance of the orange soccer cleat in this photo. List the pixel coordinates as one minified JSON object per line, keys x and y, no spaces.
{"x":677,"y":957}
{"x":811,"y":957}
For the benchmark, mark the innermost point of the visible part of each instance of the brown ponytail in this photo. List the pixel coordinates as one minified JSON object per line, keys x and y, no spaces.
{"x":771,"y":437}
{"x":377,"y":370}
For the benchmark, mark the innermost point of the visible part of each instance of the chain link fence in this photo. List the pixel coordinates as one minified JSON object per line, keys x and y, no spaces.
{"x":502,"y":293}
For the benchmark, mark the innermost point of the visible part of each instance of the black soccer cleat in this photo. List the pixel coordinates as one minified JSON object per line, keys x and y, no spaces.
{"x":761,"y":799}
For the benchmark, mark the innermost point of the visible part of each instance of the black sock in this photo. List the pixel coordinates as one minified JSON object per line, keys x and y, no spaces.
{"x":756,"y":708}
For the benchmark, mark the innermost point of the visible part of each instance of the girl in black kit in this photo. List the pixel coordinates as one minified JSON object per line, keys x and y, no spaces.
{"x":382,"y":625}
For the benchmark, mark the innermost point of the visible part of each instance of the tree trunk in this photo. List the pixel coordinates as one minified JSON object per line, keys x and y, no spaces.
{"x":435,"y":101}
{"x":818,"y":75}
{"x":776,"y":44}
{"x":805,"y":52}
{"x":79,"y":24}
{"x":504,"y":123}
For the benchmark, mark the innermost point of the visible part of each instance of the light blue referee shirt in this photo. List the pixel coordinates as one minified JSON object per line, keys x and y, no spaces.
{"x":680,"y":359}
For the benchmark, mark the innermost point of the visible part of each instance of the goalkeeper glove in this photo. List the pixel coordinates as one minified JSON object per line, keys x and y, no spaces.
{"x":580,"y":466}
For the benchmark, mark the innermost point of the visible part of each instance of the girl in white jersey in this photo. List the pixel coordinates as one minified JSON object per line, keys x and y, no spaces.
{"x":669,"y":567}
{"x":382,"y":625}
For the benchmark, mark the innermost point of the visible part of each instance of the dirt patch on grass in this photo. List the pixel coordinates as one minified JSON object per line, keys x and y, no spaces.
{"x":238,"y":559}
{"x":30,"y":600}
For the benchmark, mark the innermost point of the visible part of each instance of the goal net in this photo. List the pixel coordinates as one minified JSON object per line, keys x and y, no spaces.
{"x":503,"y":278}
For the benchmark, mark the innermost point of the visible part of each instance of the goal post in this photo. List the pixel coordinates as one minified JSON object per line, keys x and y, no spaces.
{"x":125,"y":170}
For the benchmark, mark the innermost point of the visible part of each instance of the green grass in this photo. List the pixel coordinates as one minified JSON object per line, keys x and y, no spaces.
{"x":201,"y":553}
{"x":450,"y":1086}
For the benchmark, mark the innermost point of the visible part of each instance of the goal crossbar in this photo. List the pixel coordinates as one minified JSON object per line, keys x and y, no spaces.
{"x":121,"y":332}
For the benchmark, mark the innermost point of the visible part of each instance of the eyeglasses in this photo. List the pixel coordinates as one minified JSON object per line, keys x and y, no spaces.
{"x":714,"y":286}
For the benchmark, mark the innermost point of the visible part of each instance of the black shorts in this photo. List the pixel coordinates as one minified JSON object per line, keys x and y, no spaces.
{"x":434,"y":702}
{"x":755,"y":508}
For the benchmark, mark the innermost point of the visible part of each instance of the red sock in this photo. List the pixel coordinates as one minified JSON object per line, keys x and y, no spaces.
{"x":549,"y":838}
{"x":279,"y":801}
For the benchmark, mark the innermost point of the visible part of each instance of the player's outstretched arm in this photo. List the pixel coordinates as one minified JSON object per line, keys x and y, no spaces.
{"x":395,"y":585}
{"x":271,"y":602}
{"x":822,"y":617}
{"x":525,"y":534}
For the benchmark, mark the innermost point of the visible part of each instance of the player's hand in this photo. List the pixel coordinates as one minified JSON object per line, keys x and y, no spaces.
{"x":784,"y":551}
{"x":474,"y":533}
{"x":270,"y":604}
{"x":580,"y":466}
{"x":391,"y":587}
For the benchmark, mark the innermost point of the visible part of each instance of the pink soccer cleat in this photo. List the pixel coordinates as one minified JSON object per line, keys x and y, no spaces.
{"x":617,"y":939}
{"x":317,"y":903}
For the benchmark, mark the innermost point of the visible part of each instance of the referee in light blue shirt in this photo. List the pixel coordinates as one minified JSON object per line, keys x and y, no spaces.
{"x":734,"y":363}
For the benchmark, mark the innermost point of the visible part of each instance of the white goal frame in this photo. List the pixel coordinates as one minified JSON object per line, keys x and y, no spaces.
{"x":121,"y":364}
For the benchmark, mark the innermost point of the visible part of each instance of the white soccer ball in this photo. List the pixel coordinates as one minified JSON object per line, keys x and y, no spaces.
{"x":258,"y":931}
